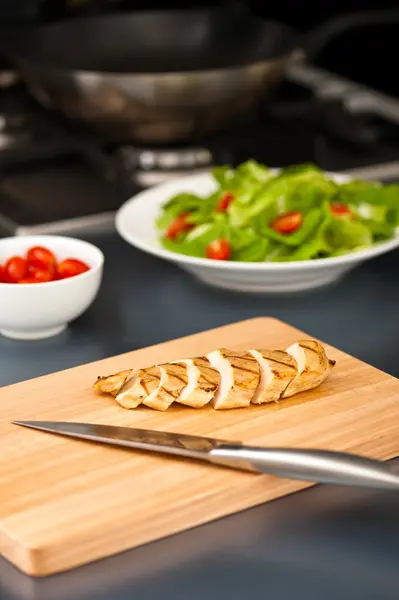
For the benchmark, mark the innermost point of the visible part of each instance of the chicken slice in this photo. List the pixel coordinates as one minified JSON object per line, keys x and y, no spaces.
{"x":240,"y":375}
{"x":277,"y":370}
{"x":137,"y":388}
{"x":313,"y":366}
{"x":173,"y":380}
{"x":203,"y":381}
{"x":157,"y":387}
{"x":112,"y":384}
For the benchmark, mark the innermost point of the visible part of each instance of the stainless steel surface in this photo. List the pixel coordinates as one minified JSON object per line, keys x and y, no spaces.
{"x":100,"y":223}
{"x":165,"y":159}
{"x":156,"y":76}
{"x":191,"y":446}
{"x":151,"y":166}
{"x":356,"y":97}
{"x":154,"y":107}
{"x":383,"y":172}
{"x":320,"y":466}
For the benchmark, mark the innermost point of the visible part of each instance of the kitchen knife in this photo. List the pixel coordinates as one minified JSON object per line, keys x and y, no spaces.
{"x":319,"y":466}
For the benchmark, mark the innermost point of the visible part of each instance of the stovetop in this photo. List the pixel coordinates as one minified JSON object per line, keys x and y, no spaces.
{"x":57,"y":178}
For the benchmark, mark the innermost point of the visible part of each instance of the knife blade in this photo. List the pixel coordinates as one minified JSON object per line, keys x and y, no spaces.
{"x":318,"y":466}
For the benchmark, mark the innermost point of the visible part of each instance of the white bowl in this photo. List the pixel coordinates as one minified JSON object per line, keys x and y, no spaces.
{"x":135,"y":222}
{"x":41,"y":310}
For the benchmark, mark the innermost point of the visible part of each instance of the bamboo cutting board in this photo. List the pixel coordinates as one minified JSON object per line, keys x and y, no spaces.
{"x":65,"y":502}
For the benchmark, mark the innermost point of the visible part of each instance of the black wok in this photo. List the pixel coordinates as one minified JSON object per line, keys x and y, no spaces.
{"x":156,"y":77}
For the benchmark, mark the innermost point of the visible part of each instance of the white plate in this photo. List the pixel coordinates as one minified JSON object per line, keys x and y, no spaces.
{"x":135,"y":222}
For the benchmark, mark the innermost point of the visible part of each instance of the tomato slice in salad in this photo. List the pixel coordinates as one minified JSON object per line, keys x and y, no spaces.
{"x":224,"y":201}
{"x":179,"y":225}
{"x":339,"y":209}
{"x":218,"y":250}
{"x":287,"y":223}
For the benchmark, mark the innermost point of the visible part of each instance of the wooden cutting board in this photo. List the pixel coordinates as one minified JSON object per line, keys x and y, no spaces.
{"x":65,"y":502}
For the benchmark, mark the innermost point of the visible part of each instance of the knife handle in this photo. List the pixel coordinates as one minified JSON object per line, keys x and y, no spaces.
{"x":319,"y":466}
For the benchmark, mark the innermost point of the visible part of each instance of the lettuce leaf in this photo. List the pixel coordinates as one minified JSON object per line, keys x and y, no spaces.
{"x":350,"y":235}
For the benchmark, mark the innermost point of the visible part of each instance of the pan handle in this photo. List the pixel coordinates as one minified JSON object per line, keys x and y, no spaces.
{"x":317,"y":39}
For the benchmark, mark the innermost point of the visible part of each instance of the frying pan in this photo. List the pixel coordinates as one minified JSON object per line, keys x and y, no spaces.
{"x":159,"y":77}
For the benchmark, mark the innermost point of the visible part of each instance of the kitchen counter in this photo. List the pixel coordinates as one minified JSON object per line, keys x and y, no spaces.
{"x":324,"y":543}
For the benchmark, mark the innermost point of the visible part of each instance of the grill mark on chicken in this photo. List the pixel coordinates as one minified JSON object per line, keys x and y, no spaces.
{"x":208,"y":374}
{"x":240,"y":358}
{"x":112,"y":384}
{"x":313,"y":366}
{"x":277,"y":370}
{"x":143,"y":383}
{"x":202,"y":384}
{"x":238,"y":381}
{"x":282,"y":362}
{"x":174,"y":380}
{"x":309,"y":346}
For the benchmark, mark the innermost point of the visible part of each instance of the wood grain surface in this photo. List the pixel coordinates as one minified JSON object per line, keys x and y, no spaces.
{"x":66,"y":502}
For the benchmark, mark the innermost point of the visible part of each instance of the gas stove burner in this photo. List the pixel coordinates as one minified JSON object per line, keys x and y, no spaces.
{"x":8,"y":78}
{"x":149,"y":166}
{"x":14,"y":130}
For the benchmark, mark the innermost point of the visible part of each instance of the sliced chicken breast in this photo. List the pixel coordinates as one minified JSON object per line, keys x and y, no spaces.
{"x":313,"y":366}
{"x":203,"y":381}
{"x":140,"y":386}
{"x":113,"y":383}
{"x":174,"y":379}
{"x":240,"y":376}
{"x":277,"y":370}
{"x":157,"y":387}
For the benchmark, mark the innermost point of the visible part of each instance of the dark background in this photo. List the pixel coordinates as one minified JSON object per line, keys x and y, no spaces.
{"x":367,"y":55}
{"x":302,"y":14}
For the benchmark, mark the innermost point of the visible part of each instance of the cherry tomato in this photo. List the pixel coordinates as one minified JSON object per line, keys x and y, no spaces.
{"x":38,"y":255}
{"x":71,"y":267}
{"x":287,"y":223}
{"x":179,"y":225}
{"x":218,"y":250}
{"x":2,"y":274}
{"x":15,"y":269}
{"x":340,"y":210}
{"x":34,"y":268}
{"x":224,"y":201}
{"x":42,"y":275}
{"x":27,"y":280}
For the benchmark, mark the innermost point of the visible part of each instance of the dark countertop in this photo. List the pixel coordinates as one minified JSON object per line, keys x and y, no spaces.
{"x":324,"y":543}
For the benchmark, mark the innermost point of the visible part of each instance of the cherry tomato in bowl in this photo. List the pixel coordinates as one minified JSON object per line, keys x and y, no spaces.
{"x":15,"y":269}
{"x":71,"y":267}
{"x":39,"y":265}
{"x":41,"y":304}
{"x":40,"y":256}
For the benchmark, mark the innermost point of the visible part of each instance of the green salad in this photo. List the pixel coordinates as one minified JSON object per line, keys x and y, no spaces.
{"x":257,"y":214}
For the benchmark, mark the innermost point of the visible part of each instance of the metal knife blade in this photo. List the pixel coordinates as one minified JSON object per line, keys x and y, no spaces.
{"x":141,"y":439}
{"x":318,"y":466}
